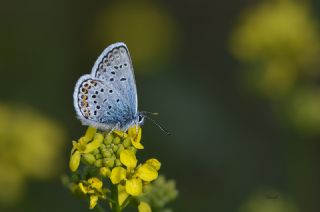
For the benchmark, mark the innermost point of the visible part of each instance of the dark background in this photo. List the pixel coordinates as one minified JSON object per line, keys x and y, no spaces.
{"x":240,"y":141}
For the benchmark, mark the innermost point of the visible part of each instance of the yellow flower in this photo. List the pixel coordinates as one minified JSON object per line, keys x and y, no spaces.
{"x":84,"y":146}
{"x":134,"y":176}
{"x":105,"y":171}
{"x":122,"y":194}
{"x":93,"y":187}
{"x":134,"y":186}
{"x":144,"y":207}
{"x":93,"y":201}
{"x":154,"y":163}
{"x":95,"y":183}
{"x":147,"y":172}
{"x":128,"y":159}
{"x":117,"y":174}
{"x":134,"y":133}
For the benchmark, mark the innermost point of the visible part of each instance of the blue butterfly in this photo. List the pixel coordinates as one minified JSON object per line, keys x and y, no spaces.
{"x":107,"y":98}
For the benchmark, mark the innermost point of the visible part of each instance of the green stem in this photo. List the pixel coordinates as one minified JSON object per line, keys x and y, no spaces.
{"x":126,"y":202}
{"x":114,"y":196}
{"x":99,"y":208}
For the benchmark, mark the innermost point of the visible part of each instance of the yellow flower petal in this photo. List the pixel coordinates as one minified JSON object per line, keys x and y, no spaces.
{"x":95,"y":183}
{"x":144,"y":207}
{"x":154,"y":163}
{"x":135,"y":133}
{"x":137,"y":138}
{"x":120,"y":133}
{"x":95,"y":144}
{"x":74,"y":161}
{"x":134,"y":186}
{"x":93,"y":201}
{"x":89,"y":134}
{"x":105,"y":171}
{"x":122,"y":196}
{"x":117,"y":174}
{"x":147,"y":172}
{"x":82,"y":188}
{"x":137,"y":145}
{"x":128,"y":159}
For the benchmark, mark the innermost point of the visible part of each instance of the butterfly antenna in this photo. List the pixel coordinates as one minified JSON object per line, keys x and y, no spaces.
{"x":151,"y":113}
{"x":158,"y":125}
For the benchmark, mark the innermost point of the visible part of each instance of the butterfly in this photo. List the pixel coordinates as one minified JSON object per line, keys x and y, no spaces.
{"x":107,"y":98}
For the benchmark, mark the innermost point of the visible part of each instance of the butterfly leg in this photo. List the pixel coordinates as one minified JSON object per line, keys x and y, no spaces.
{"x":115,"y":127}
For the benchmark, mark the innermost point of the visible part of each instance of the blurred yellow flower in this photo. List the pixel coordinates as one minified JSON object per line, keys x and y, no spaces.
{"x":279,"y":41}
{"x":144,"y":207}
{"x":30,"y":147}
{"x":304,"y":109}
{"x":265,"y":200}
{"x":146,"y":28}
{"x":277,"y":29}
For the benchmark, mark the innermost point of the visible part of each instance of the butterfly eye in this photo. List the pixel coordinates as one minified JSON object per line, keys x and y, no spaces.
{"x":140,"y":118}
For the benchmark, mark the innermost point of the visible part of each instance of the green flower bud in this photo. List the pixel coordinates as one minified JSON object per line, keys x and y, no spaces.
{"x":118,"y":162}
{"x":102,"y":147}
{"x":115,"y":148}
{"x":98,"y":163}
{"x":108,"y":139}
{"x":108,"y":162}
{"x":98,"y":156}
{"x":107,"y":154}
{"x":88,"y":158}
{"x":120,"y":148}
{"x":127,"y":142}
{"x":116,"y":140}
{"x":96,"y":151}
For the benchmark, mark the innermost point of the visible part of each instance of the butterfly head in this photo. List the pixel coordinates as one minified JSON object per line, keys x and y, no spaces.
{"x":140,"y":118}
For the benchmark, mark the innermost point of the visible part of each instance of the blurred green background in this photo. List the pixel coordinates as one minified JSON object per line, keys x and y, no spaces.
{"x":236,"y":82}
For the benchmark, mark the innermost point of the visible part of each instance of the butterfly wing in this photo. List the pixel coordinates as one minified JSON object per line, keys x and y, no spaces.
{"x":114,"y":66}
{"x":108,"y":98}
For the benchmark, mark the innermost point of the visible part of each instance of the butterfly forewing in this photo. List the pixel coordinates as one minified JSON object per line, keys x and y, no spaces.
{"x":108,"y":96}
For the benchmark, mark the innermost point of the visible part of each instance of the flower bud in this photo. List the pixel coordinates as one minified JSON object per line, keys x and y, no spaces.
{"x":88,"y":158}
{"x":109,"y":162}
{"x":118,"y":162}
{"x":74,"y":161}
{"x":108,"y":139}
{"x":127,"y":142}
{"x":98,"y":156}
{"x":120,"y":148}
{"x":102,"y":146}
{"x":105,"y":171}
{"x":106,"y":153}
{"x":115,"y":148}
{"x":116,"y":140}
{"x":98,"y":163}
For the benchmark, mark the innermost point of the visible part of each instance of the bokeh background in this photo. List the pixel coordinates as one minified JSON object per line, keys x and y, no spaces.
{"x":236,"y":82}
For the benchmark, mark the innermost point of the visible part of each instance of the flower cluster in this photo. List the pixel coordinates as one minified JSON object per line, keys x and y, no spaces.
{"x":105,"y":167}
